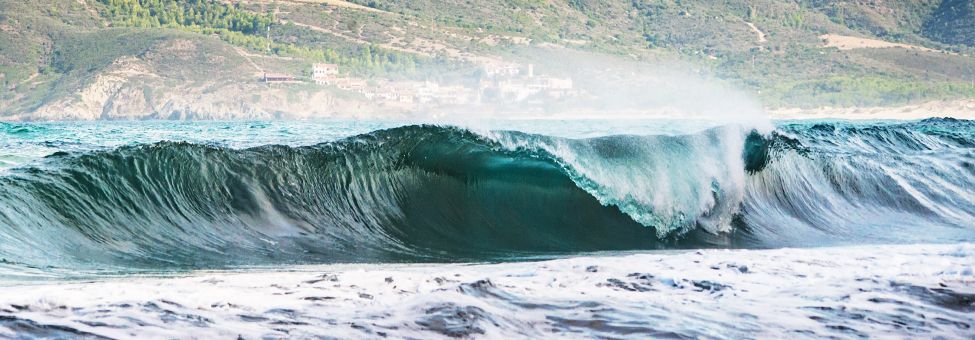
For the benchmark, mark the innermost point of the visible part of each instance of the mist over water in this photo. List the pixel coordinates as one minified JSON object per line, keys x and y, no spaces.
{"x":615,"y":90}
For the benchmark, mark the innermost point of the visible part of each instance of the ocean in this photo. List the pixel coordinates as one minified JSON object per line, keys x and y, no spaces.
{"x":525,"y":228}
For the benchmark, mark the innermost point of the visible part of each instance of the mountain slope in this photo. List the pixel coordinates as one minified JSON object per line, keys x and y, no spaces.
{"x":952,"y":23}
{"x":63,"y":60}
{"x":124,"y":59}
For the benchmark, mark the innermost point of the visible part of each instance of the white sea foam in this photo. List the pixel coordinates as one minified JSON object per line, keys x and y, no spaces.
{"x":884,"y":291}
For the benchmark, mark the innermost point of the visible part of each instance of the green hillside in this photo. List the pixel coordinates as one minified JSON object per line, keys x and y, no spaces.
{"x":952,"y":23}
{"x":53,"y":51}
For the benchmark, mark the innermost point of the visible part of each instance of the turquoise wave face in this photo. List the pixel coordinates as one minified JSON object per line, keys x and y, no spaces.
{"x":430,"y":193}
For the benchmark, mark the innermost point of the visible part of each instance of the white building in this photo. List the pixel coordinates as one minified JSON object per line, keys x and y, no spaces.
{"x":324,"y":74}
{"x":501,"y":70}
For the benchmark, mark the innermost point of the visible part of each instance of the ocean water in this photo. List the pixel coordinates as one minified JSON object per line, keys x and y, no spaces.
{"x":161,"y":204}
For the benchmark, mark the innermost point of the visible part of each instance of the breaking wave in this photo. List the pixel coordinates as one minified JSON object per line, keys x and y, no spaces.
{"x":431,"y":193}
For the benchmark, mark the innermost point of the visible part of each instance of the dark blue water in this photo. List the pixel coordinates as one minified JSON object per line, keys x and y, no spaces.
{"x":161,"y":195}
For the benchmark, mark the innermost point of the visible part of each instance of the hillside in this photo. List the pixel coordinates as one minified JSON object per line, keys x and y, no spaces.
{"x":952,"y":23}
{"x":140,"y":59}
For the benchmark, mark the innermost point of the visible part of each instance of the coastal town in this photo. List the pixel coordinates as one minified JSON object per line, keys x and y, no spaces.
{"x":497,"y":83}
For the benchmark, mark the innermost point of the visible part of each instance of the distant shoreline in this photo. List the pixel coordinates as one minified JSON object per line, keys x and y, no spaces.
{"x":961,"y":109}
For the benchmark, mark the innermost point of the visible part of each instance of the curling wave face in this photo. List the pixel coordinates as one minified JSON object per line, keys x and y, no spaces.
{"x":430,"y":193}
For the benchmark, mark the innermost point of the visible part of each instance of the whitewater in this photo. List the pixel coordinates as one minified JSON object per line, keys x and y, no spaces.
{"x":554,"y":228}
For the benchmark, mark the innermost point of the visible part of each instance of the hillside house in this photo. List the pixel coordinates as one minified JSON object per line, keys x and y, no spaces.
{"x":324,"y":74}
{"x":501,"y":69}
{"x":277,"y":78}
{"x":350,"y":84}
